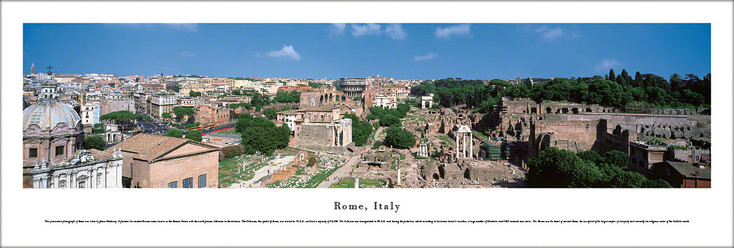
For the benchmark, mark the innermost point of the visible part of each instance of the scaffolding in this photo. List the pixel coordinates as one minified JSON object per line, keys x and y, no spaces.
{"x":494,"y":152}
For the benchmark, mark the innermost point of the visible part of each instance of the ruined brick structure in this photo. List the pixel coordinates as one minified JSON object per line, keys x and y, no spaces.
{"x":579,"y":127}
{"x":319,"y":128}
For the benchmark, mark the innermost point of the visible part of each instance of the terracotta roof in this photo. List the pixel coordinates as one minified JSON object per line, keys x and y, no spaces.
{"x":689,"y":170}
{"x":98,"y":155}
{"x":289,"y":112}
{"x":325,"y":108}
{"x":149,"y":147}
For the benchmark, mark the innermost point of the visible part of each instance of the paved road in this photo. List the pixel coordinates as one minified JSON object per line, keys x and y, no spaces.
{"x":341,"y":172}
{"x":347,"y":168}
{"x":377,"y":133}
{"x":152,"y":127}
{"x":271,"y":168}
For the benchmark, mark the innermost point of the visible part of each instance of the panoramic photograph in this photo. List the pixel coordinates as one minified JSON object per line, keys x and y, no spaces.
{"x":366,"y":105}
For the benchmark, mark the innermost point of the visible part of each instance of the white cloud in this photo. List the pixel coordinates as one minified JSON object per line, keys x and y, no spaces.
{"x":366,"y":29}
{"x":555,"y":33}
{"x":606,"y":64}
{"x":447,"y":32}
{"x":191,"y":27}
{"x":287,"y":52}
{"x":337,"y":29}
{"x":428,"y":56}
{"x":395,"y":31}
{"x":186,"y":54}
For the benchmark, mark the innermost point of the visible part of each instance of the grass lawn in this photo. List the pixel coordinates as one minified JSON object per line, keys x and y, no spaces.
{"x":480,"y":135}
{"x":446,"y":139}
{"x":231,"y":131}
{"x":230,"y":172}
{"x":363,"y":183}
{"x":318,"y":178}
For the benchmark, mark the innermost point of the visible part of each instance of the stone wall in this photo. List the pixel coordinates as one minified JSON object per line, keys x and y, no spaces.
{"x":315,"y":134}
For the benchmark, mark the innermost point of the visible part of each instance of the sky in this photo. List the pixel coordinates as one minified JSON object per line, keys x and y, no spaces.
{"x":402,"y":51}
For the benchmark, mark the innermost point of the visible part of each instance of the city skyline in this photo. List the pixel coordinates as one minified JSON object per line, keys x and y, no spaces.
{"x":404,"y":51}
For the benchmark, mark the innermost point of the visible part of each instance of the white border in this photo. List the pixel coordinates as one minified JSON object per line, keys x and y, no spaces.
{"x":710,"y":210}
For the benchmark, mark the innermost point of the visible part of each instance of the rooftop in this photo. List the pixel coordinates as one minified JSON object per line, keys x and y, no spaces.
{"x":149,"y":147}
{"x":689,"y":170}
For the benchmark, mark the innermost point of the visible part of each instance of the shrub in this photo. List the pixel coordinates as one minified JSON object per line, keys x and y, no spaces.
{"x":94,"y":142}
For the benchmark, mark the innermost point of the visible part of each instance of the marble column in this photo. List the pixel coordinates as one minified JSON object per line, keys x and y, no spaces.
{"x":457,"y":144}
{"x":463,"y":153}
{"x":471,"y":145}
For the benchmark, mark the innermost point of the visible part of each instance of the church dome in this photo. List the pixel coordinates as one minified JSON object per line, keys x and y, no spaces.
{"x":47,"y":114}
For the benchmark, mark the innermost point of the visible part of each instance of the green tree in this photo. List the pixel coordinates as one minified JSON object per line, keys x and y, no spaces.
{"x":94,"y":142}
{"x":166,"y":115}
{"x":554,"y":168}
{"x":270,"y":113}
{"x":399,"y":138}
{"x":180,"y":112}
{"x":122,"y":118}
{"x":194,"y":93}
{"x":628,"y":179}
{"x":403,"y":109}
{"x":236,"y":92}
{"x":658,"y":183}
{"x":260,"y":134}
{"x":194,"y":135}
{"x":361,"y":131}
{"x":389,"y":120}
{"x":589,"y":155}
{"x":617,"y":158}
{"x":499,"y":82}
{"x":173,"y":132}
{"x":146,"y":117}
{"x":611,"y":76}
{"x":377,"y":144}
{"x":286,"y":97}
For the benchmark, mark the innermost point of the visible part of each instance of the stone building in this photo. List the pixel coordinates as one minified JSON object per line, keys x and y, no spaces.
{"x":160,"y":104}
{"x":211,"y":114}
{"x":52,"y":131}
{"x":142,"y":99}
{"x":643,"y":156}
{"x":323,"y":96}
{"x":86,"y":169}
{"x":353,"y":87}
{"x":154,"y":161}
{"x":152,"y":87}
{"x":90,"y":115}
{"x":109,"y":106}
{"x":579,"y":127}
{"x":385,"y":102}
{"x":684,"y":175}
{"x":427,"y":101}
{"x":320,"y":128}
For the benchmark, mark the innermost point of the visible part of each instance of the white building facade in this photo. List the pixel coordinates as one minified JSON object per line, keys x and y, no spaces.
{"x":84,"y":170}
